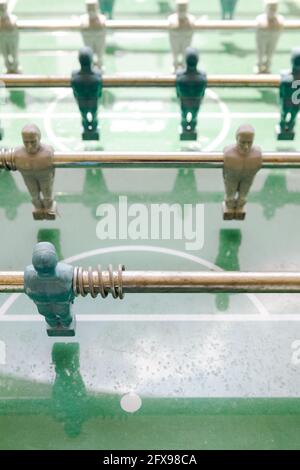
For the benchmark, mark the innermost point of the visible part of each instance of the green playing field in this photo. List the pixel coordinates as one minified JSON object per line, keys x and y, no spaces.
{"x":211,"y":371}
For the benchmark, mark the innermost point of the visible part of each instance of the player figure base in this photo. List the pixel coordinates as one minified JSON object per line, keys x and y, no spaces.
{"x":189,"y":135}
{"x":284,"y":135}
{"x":62,"y":330}
{"x":232,"y":214}
{"x":240,"y":214}
{"x":45,"y":214}
{"x":90,"y":135}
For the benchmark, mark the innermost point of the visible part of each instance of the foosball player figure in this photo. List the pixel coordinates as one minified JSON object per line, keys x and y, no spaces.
{"x":34,"y":160}
{"x":269,"y":27}
{"x":241,"y":163}
{"x":9,"y":39}
{"x":107,"y":7}
{"x":180,"y":32}
{"x":93,"y":31}
{"x":87,"y":89}
{"x":190,"y":87}
{"x":1,"y":132}
{"x":289,"y":96}
{"x":228,"y":9}
{"x":49,"y":284}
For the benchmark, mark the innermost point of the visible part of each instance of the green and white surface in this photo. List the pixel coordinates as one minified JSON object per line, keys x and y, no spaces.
{"x":212,"y":371}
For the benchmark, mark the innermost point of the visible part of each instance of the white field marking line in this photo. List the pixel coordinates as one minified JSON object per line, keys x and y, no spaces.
{"x":264,"y":314}
{"x":226,"y":121}
{"x":48,"y":122}
{"x":141,"y":115}
{"x":231,"y":318}
{"x":8,"y":302}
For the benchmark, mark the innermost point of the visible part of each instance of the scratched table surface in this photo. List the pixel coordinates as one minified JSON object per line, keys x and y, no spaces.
{"x":208,"y":371}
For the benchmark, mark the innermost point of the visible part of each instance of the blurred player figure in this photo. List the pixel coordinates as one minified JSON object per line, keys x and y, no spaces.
{"x":241,"y":163}
{"x":269,"y":27}
{"x":289,"y":95}
{"x":190,"y":87}
{"x":93,"y":31}
{"x":49,"y":284}
{"x":34,"y":160}
{"x":87,"y":89}
{"x":180,"y":32}
{"x":107,"y":7}
{"x":9,"y":39}
{"x":228,"y":9}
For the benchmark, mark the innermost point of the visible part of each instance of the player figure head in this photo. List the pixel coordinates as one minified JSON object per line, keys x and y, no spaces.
{"x":92,"y":8}
{"x":31,"y":136}
{"x":182,"y":9}
{"x":245,"y":138}
{"x":191,"y":58}
{"x":3,"y":8}
{"x":295,"y":59}
{"x":44,"y":258}
{"x":85,"y":57}
{"x":271,"y":8}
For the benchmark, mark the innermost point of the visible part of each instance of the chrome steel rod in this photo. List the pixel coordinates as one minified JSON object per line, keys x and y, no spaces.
{"x":150,"y":80}
{"x":152,"y":160}
{"x":178,"y":281}
{"x":151,"y":25}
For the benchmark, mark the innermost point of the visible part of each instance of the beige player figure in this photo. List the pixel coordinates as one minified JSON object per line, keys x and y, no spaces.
{"x":180,"y":32}
{"x":9,"y":39}
{"x":241,"y":163}
{"x":94,"y":31}
{"x":34,"y":160}
{"x":268,"y":30}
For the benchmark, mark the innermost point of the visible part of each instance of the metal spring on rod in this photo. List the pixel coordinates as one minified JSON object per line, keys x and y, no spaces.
{"x":7,"y":159}
{"x":96,"y":284}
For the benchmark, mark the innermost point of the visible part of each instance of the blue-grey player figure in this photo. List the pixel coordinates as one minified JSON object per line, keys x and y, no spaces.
{"x":49,"y":283}
{"x":190,"y":86}
{"x":87,"y":90}
{"x":289,"y":96}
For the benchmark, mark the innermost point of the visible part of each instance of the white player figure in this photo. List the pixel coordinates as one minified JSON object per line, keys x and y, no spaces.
{"x":181,"y":32}
{"x":9,"y":39}
{"x":94,"y":31}
{"x":269,"y":27}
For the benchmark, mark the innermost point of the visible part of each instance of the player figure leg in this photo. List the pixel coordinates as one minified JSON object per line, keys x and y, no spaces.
{"x":34,"y":189}
{"x":99,"y":49}
{"x":60,"y":323}
{"x":229,"y":205}
{"x":261,"y":51}
{"x":89,"y":123}
{"x":243,"y":190}
{"x":285,"y":130}
{"x":271,"y":44}
{"x":50,"y":208}
{"x":13,"y":51}
{"x":51,"y":318}
{"x":189,"y":123}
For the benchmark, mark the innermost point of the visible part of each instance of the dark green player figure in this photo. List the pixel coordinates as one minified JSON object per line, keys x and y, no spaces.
{"x":1,"y":132}
{"x":190,"y":87}
{"x":107,"y":7}
{"x":228,"y":9}
{"x":49,"y":284}
{"x":87,"y":89}
{"x":289,"y":96}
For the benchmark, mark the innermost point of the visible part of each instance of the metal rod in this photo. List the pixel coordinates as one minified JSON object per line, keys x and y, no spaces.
{"x":157,"y":25}
{"x":177,"y":281}
{"x":151,"y":80}
{"x":211,"y":160}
